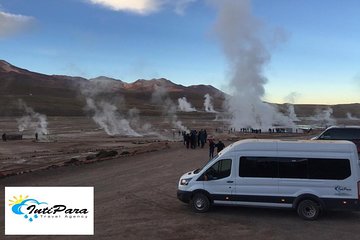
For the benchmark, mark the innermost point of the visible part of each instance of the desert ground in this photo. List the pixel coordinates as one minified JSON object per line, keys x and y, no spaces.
{"x":135,"y":191}
{"x":77,"y":140}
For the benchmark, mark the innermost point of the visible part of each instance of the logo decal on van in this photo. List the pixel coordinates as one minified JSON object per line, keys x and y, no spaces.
{"x":341,"y":190}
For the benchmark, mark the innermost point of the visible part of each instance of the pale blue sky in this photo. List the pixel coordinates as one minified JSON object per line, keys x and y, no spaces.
{"x":320,"y":60}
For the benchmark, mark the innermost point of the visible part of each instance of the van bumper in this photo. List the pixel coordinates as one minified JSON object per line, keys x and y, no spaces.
{"x":342,"y":204}
{"x":184,"y":196}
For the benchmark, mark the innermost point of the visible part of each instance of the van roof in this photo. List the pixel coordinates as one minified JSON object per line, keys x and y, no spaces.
{"x":343,"y":127}
{"x":291,"y":145}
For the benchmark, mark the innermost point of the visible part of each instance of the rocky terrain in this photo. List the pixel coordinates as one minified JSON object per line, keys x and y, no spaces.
{"x":56,"y":95}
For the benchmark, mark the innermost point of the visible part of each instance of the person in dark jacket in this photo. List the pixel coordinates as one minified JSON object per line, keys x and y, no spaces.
{"x":211,"y":148}
{"x":193,"y":136}
{"x":202,"y":138}
{"x":220,"y":146}
{"x":187,"y":139}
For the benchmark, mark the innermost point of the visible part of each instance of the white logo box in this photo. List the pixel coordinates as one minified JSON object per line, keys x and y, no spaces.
{"x":49,"y":210}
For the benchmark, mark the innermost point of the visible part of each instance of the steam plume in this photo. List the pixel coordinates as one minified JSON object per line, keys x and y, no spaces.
{"x":160,"y":97}
{"x":108,"y":118}
{"x":136,"y":123}
{"x":185,"y":106}
{"x":32,"y":120}
{"x":351,"y":117}
{"x":103,"y":111}
{"x":324,"y":117}
{"x":208,"y":103}
{"x":291,"y":112}
{"x":290,"y":99}
{"x":242,"y":38}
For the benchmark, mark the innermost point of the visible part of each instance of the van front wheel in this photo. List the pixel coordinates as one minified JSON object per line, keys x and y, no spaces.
{"x":308,"y":209}
{"x":200,"y":203}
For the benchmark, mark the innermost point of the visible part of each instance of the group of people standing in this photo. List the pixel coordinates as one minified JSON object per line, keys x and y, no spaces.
{"x":195,"y":139}
{"x":6,"y":137}
{"x":212,"y":145}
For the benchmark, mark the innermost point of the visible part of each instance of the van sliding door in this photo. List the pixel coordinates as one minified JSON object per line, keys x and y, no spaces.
{"x":257,"y":182}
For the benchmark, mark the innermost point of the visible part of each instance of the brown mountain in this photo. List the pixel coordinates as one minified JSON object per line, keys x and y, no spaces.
{"x":65,"y":95}
{"x":142,"y":85}
{"x":48,"y":94}
{"x":58,"y":95}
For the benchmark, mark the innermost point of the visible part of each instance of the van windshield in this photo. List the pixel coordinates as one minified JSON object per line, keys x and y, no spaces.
{"x":199,"y":169}
{"x":341,"y":134}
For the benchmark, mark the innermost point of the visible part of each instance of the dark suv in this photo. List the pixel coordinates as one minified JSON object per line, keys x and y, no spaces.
{"x":341,"y":133}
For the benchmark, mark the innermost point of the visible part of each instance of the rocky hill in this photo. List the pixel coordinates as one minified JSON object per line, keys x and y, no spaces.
{"x":58,"y":95}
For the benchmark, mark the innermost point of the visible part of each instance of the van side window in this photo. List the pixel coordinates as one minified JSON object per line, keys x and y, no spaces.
{"x":336,"y":169}
{"x":293,"y":167}
{"x":300,"y":168}
{"x":220,"y":169}
{"x":258,"y":167}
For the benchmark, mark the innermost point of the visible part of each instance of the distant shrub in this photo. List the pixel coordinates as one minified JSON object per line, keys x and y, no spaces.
{"x":104,"y":154}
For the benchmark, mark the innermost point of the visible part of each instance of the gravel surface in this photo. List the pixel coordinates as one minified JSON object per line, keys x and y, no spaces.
{"x":135,"y":198}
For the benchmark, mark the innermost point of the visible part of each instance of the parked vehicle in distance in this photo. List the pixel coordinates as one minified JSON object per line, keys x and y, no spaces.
{"x":308,"y":176}
{"x":351,"y":133}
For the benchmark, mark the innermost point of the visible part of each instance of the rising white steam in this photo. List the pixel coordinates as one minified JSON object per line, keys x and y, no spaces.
{"x":100,"y":104}
{"x":134,"y":118}
{"x":185,"y":106}
{"x":324,"y":117}
{"x":160,"y":97}
{"x":244,"y":41}
{"x":32,"y":121}
{"x":136,"y":123}
{"x":208,"y":103}
{"x":290,"y":100}
{"x":291,"y":112}
{"x":106,"y":115}
{"x":351,"y":117}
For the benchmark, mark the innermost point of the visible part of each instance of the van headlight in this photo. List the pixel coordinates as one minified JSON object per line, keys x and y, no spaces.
{"x":185,"y":181}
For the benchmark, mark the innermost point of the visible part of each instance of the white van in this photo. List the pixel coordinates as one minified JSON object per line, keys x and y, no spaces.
{"x":309,"y":176}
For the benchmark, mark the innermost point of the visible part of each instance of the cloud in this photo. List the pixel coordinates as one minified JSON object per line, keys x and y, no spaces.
{"x":11,"y":24}
{"x":142,"y":7}
{"x":181,"y":5}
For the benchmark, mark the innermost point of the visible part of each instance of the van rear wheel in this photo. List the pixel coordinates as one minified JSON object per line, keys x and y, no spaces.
{"x":200,"y":203}
{"x":308,"y":209}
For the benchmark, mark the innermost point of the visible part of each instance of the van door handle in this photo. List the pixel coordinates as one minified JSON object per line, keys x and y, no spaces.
{"x":229,"y":181}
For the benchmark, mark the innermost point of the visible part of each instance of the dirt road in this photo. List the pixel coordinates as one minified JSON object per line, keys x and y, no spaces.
{"x":135,"y":198}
